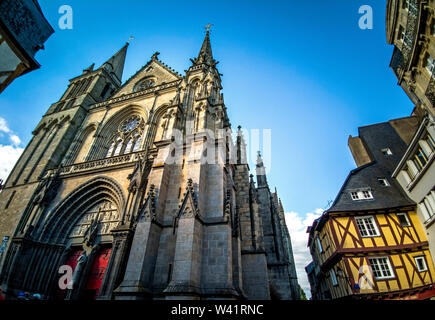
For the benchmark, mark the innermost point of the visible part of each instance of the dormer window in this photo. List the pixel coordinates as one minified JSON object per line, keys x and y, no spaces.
{"x":387,"y":152}
{"x":367,"y":194}
{"x":383,"y":182}
{"x":361,"y":195}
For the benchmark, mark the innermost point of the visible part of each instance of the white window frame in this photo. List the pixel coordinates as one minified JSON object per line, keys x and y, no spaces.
{"x":427,"y":206}
{"x":319,"y":244}
{"x":333,"y":277}
{"x":388,"y":264}
{"x":354,"y":195}
{"x":369,"y":192}
{"x":408,"y":223}
{"x":387,"y":152}
{"x":361,"y":195}
{"x":423,"y":259}
{"x":364,"y":233}
{"x":384,"y":182}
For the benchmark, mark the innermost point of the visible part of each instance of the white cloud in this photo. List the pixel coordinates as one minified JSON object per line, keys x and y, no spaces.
{"x":9,"y":154}
{"x":4,"y":126}
{"x":297,"y":225}
{"x":15,"y":139}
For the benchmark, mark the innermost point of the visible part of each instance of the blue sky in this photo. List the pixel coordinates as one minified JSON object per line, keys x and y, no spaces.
{"x":303,"y":69}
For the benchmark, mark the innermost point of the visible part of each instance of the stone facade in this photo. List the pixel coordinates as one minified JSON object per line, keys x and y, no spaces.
{"x":410,"y":28}
{"x":141,"y":190}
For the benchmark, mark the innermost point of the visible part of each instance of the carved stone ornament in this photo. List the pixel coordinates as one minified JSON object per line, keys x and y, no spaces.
{"x":189,"y":206}
{"x":47,"y":189}
{"x":227,"y":209}
{"x":148,"y":211}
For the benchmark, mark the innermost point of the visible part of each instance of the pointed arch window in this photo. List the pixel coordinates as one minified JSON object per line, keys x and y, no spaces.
{"x":110,"y":151}
{"x":118,"y":148}
{"x":128,"y":145}
{"x":137,"y":143}
{"x":128,"y":138}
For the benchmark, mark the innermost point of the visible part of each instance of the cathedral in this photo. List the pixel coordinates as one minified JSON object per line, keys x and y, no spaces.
{"x":141,"y":190}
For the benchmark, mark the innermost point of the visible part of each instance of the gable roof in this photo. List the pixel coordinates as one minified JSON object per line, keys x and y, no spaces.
{"x":137,"y":76}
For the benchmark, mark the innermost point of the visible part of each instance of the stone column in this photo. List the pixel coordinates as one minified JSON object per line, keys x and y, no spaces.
{"x":186,"y":275}
{"x":115,"y":268}
{"x":137,"y":282}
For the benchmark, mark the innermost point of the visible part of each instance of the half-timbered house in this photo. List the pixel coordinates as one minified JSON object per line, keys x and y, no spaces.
{"x":370,"y":242}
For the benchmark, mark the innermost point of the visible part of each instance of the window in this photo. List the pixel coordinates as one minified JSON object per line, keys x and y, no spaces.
{"x":367,"y":226}
{"x":383,"y":182}
{"x":128,"y":146}
{"x":431,"y":143}
{"x":420,"y":159}
{"x":118,"y":148}
{"x":403,"y":219}
{"x":420,"y":262}
{"x":361,"y":195}
{"x":387,"y":152}
{"x":429,"y":63}
{"x":129,"y":137}
{"x":319,"y":245}
{"x":105,"y":90}
{"x":144,"y":84}
{"x":110,"y":151}
{"x":136,"y":146}
{"x":367,"y":194}
{"x":427,"y":206}
{"x":381,"y":268}
{"x":333,"y":278}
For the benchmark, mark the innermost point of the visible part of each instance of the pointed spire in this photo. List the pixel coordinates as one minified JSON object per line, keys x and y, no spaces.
{"x":259,"y":160}
{"x":89,"y":69}
{"x":115,"y":65}
{"x":261,"y":171}
{"x":205,"y":54}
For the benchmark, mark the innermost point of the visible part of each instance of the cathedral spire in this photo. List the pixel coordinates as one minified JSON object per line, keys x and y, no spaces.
{"x":261,"y":171}
{"x":115,"y":65}
{"x":205,"y":55}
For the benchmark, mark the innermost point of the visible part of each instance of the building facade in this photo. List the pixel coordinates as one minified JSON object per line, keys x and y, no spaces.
{"x":370,"y":244}
{"x":140,"y":191}
{"x":410,"y":26}
{"x":23,"y":31}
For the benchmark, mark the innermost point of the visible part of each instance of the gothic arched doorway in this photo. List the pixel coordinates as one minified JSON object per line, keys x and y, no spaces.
{"x":90,"y":250}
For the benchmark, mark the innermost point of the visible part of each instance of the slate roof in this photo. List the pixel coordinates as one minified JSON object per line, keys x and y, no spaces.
{"x":25,"y":22}
{"x":375,"y":138}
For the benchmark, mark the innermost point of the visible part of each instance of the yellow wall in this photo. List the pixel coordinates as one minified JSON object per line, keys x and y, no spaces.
{"x":342,"y":242}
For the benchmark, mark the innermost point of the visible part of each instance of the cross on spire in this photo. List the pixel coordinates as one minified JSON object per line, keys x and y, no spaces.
{"x":208,"y":27}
